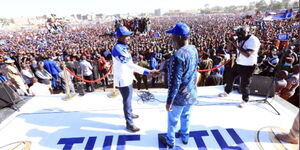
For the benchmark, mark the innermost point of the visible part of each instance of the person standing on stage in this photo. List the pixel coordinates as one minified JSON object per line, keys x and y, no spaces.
{"x":293,"y":135}
{"x":248,"y":46}
{"x":123,"y":73}
{"x":182,"y":90}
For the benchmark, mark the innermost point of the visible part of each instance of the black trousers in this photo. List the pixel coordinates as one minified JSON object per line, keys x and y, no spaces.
{"x":89,"y":86}
{"x":141,"y":78}
{"x":102,"y":73}
{"x":245,"y":73}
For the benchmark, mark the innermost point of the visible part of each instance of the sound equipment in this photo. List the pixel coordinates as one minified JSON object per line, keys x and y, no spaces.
{"x":8,"y":97}
{"x":260,"y":85}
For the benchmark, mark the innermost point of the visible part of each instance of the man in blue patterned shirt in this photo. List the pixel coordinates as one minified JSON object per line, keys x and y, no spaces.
{"x":182,"y":90}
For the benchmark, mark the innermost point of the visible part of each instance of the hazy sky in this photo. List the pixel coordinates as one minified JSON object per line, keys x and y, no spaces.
{"x":17,"y":8}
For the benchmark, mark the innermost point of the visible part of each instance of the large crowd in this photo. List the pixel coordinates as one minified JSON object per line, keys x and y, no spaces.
{"x":32,"y":60}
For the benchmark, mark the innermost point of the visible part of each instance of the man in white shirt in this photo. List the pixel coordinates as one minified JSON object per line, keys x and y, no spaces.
{"x":27,"y":74}
{"x":86,"y":70}
{"x":123,"y":74}
{"x":248,"y":46}
{"x":38,"y":88}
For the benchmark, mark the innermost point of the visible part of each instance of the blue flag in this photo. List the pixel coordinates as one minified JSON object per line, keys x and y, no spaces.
{"x":283,"y":37}
{"x":156,"y":34}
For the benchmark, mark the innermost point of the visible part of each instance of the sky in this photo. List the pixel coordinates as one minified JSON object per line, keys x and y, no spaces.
{"x":27,"y":8}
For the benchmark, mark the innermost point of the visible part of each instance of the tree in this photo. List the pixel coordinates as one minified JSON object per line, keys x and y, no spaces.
{"x":277,"y":6}
{"x":261,"y":5}
{"x":206,"y":9}
{"x":230,"y":9}
{"x":295,"y":4}
{"x":272,"y":3}
{"x":4,"y":22}
{"x":216,"y":9}
{"x":285,"y":3}
{"x":206,"y":6}
{"x":252,"y":5}
{"x":245,"y":8}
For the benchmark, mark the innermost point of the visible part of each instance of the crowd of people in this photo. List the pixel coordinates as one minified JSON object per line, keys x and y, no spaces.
{"x":142,"y":25}
{"x":34,"y":58}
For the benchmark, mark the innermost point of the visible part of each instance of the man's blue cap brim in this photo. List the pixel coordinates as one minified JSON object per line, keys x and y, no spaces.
{"x":126,"y":34}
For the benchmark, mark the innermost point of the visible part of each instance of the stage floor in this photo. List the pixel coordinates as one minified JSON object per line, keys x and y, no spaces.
{"x":95,"y":121}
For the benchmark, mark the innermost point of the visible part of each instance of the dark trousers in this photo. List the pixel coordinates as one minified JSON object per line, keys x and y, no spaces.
{"x":139,"y":79}
{"x":89,"y":86}
{"x":126,"y":93}
{"x":154,"y":79}
{"x":54,"y":79}
{"x":102,"y":73}
{"x":245,"y":73}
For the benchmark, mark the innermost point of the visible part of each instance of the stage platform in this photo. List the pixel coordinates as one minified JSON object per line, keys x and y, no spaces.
{"x":96,"y":122}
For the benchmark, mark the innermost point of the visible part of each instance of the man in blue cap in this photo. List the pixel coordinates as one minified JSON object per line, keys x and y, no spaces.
{"x":182,"y":90}
{"x":123,"y":73}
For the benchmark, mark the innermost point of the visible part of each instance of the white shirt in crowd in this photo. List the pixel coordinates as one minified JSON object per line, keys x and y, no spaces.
{"x":86,"y":68}
{"x":39,"y":89}
{"x":253,"y":44}
{"x":27,"y":75}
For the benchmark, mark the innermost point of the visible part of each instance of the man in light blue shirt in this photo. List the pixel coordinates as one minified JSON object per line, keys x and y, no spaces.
{"x":124,"y":68}
{"x":182,"y":90}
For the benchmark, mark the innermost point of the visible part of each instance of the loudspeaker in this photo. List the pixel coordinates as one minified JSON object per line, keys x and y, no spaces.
{"x":8,"y":97}
{"x":261,"y":85}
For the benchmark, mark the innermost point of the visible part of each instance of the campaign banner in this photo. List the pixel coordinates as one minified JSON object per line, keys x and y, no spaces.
{"x":156,"y":34}
{"x":283,"y":37}
{"x":295,"y":25}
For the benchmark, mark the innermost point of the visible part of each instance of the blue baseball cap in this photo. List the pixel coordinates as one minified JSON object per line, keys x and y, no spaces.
{"x":180,"y":29}
{"x":123,"y":31}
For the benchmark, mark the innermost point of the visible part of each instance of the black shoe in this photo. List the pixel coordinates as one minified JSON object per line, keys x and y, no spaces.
{"x":245,"y":99}
{"x":184,"y":142}
{"x":163,"y":140}
{"x":134,"y":116}
{"x":133,"y":128}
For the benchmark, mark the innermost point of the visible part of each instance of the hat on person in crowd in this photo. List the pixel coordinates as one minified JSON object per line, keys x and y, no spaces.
{"x":244,"y":28}
{"x":40,"y":63}
{"x":180,"y":29}
{"x":123,"y":31}
{"x":9,"y":61}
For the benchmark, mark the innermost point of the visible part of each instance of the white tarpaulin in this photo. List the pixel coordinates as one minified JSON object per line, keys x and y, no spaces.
{"x":95,"y":122}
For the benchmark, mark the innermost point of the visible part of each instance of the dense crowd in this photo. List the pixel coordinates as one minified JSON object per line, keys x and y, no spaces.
{"x":32,"y":60}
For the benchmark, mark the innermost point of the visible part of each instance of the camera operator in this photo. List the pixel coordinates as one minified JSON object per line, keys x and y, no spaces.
{"x":269,"y":64}
{"x":247,"y":46}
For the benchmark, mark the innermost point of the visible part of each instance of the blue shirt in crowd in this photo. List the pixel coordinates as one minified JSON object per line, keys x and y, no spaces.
{"x":153,"y":63}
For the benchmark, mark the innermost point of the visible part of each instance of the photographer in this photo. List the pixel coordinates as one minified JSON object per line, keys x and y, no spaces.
{"x":269,"y":64}
{"x":248,"y":46}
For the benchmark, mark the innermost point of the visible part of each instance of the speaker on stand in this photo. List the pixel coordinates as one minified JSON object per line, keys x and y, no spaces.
{"x":260,"y":86}
{"x":8,"y":97}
